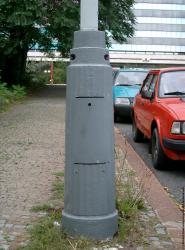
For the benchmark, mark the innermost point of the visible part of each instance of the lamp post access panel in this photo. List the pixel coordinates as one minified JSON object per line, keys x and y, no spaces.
{"x":89,"y":200}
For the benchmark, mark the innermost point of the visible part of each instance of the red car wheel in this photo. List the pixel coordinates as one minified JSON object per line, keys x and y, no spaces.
{"x":158,"y":156}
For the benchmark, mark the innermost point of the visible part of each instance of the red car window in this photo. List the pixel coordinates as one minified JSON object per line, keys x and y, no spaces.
{"x":146,"y":83}
{"x":153,"y":83}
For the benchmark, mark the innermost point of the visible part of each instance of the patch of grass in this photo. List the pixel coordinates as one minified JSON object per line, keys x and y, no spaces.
{"x":129,"y":201}
{"x":58,"y":194}
{"x":45,"y":235}
{"x":58,"y":186}
{"x":59,"y":174}
{"x":4,"y":156}
{"x":58,"y":189}
{"x":6,"y":237}
{"x":41,"y":208}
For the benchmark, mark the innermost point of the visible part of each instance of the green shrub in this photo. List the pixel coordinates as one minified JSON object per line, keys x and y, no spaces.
{"x":38,"y":74}
{"x":18,"y":92}
{"x":59,"y":72}
{"x":36,"y":77}
{"x":10,"y":95}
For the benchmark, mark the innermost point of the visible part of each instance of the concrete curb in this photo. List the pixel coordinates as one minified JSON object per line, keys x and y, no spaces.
{"x":167,"y":211}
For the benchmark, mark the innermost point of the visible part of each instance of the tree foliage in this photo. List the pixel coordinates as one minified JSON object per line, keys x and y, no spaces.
{"x":25,"y":23}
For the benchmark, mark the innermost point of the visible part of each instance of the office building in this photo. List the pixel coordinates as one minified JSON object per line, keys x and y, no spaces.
{"x":160,"y":27}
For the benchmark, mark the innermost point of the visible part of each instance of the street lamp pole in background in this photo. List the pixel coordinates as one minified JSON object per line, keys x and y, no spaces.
{"x":89,"y":15}
{"x":89,"y":200}
{"x":51,"y":73}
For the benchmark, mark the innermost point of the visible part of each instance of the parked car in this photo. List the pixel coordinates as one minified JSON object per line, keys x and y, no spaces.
{"x":127,"y":83}
{"x":159,"y":115}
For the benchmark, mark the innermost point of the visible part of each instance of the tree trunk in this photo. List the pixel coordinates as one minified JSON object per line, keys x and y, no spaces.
{"x":15,"y":55}
{"x":13,"y":72}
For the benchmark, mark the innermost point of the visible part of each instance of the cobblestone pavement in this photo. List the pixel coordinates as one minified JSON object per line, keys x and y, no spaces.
{"x":31,"y":151}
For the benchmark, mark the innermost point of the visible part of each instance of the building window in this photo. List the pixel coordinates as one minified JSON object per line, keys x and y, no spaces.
{"x":162,"y":34}
{"x":153,"y":6}
{"x":161,"y":20}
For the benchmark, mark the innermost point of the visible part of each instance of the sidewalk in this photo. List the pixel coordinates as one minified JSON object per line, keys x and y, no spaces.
{"x":32,"y":150}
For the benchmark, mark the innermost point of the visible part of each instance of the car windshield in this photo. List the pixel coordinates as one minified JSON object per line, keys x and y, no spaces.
{"x":130,"y":78}
{"x":172,"y":84}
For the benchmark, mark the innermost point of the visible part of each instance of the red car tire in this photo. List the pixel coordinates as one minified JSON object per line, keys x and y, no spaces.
{"x":159,"y":159}
{"x":136,"y":133}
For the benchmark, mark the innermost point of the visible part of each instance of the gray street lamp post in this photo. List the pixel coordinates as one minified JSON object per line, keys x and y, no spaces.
{"x":89,"y":200}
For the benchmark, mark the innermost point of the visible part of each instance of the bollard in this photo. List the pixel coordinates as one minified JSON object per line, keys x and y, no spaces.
{"x":89,"y":197}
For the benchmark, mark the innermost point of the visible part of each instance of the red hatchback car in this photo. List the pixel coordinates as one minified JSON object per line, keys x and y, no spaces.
{"x":159,"y":115}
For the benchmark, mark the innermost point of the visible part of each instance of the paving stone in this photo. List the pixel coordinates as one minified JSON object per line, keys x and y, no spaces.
{"x":158,"y":225}
{"x":157,"y":244}
{"x":110,"y":248}
{"x":24,"y":243}
{"x":153,"y":238}
{"x":5,"y":216}
{"x":166,"y":243}
{"x":9,"y":226}
{"x":1,"y":237}
{"x":27,"y":217}
{"x":144,"y":217}
{"x":160,"y":230}
{"x":19,"y":226}
{"x":151,"y":214}
{"x":16,"y":233}
{"x":4,"y":247}
{"x":118,"y":246}
{"x":139,"y":248}
{"x":12,"y":237}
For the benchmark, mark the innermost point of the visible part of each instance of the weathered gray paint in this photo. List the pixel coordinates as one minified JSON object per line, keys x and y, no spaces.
{"x":89,"y":202}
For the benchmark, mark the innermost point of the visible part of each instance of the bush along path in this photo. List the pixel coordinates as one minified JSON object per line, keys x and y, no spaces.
{"x":10,"y":95}
{"x":32,"y":185}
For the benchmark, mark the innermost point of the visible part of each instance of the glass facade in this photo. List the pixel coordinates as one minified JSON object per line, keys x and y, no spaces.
{"x":160,"y":27}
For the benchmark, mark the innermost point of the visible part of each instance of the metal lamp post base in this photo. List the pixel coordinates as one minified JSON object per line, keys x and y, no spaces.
{"x":90,"y":227}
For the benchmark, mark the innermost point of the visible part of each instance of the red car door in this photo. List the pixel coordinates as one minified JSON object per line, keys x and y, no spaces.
{"x":140,"y":104}
{"x":148,"y":106}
